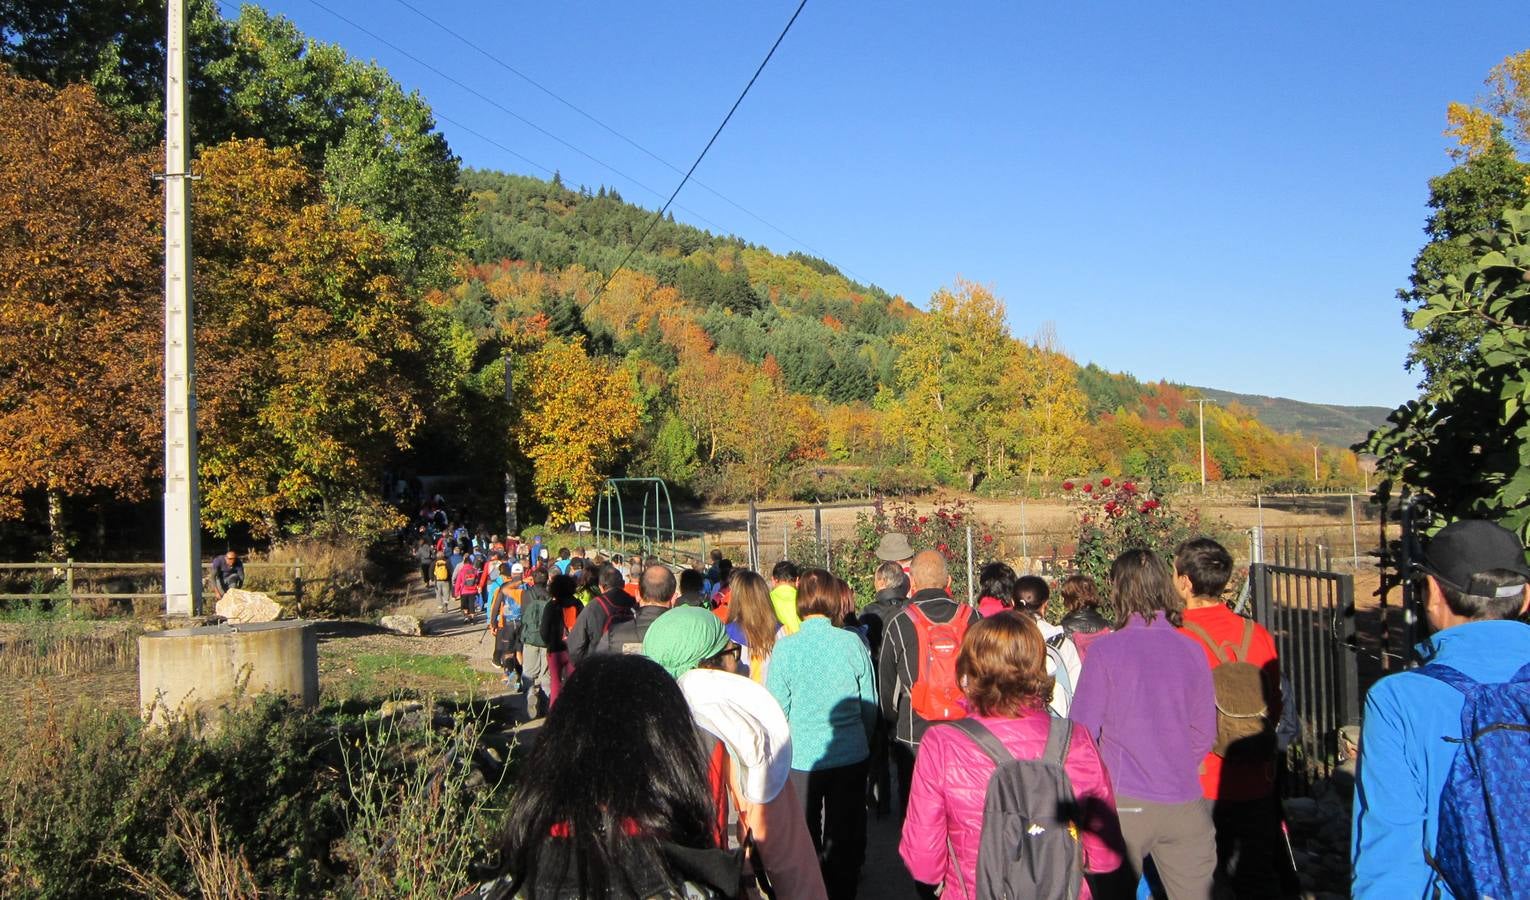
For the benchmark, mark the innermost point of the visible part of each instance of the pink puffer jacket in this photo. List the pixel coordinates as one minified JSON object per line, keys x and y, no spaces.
{"x":950,"y":778}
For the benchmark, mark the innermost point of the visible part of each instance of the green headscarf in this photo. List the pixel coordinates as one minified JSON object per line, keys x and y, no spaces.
{"x":683,"y":637}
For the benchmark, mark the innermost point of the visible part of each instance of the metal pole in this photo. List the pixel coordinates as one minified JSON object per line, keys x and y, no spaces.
{"x":970,"y":598}
{"x":183,"y":525}
{"x":1024,"y":550}
{"x":1354,"y":536}
{"x":1259,"y":502}
{"x":752,"y":535}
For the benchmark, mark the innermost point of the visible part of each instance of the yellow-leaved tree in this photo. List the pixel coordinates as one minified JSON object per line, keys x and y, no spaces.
{"x":576,"y":417}
{"x":306,"y":341}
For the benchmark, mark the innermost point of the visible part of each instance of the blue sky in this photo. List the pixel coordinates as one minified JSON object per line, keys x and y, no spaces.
{"x":1219,"y":194}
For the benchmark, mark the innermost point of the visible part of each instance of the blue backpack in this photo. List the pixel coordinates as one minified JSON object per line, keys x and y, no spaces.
{"x":1483,"y":847}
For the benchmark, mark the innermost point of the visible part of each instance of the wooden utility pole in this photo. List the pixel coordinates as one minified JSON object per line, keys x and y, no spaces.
{"x":183,"y":516}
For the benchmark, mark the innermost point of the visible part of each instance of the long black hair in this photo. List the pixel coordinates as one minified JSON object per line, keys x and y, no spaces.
{"x":997,"y":580}
{"x":617,"y":770}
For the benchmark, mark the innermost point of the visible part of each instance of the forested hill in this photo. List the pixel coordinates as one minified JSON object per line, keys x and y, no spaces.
{"x":1341,"y":426}
{"x":829,"y":334}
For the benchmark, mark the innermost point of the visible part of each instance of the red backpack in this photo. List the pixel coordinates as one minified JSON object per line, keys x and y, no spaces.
{"x":936,"y":696}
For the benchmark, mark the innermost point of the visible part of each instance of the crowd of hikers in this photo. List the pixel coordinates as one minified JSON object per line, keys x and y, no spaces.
{"x":717,"y":732}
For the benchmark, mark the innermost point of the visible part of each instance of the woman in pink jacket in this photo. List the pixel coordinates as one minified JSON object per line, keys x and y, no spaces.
{"x":1002,"y":670}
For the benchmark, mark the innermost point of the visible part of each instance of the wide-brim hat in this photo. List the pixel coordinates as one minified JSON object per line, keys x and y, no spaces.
{"x":894,"y":547}
{"x":1468,"y":548}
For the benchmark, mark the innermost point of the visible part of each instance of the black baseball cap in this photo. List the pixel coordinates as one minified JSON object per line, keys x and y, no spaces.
{"x":1463,"y":550}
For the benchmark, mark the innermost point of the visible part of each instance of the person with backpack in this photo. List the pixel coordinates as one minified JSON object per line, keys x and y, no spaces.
{"x":504,"y":619}
{"x":1238,"y":775}
{"x":1443,"y":788}
{"x":1063,"y":662}
{"x":441,"y":571}
{"x":822,"y":677}
{"x":1146,"y":698}
{"x":611,"y":606}
{"x":1009,"y":762}
{"x":465,"y":584}
{"x":916,"y":678}
{"x":535,"y":665}
{"x":562,"y":609}
{"x":656,"y":595}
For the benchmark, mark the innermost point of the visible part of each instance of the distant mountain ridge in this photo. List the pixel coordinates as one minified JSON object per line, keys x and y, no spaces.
{"x":1330,"y":424}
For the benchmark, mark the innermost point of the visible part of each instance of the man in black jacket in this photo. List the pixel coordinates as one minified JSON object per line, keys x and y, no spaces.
{"x":899,"y":663}
{"x":656,"y":595}
{"x":892,"y":595}
{"x":690,"y":589}
{"x":613,"y":606}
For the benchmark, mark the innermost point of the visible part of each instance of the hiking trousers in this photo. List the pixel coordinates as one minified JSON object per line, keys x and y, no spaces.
{"x":1178,"y":836}
{"x":835,"y":803}
{"x":443,"y":593}
{"x":536,"y":677}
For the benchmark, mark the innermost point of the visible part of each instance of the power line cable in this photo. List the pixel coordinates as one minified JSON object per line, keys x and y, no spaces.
{"x":659,"y":213}
{"x":504,"y":109}
{"x":591,"y":117}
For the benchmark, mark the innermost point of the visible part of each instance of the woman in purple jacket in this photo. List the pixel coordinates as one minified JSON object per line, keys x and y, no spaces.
{"x":1002,"y":671}
{"x":1145,"y":695}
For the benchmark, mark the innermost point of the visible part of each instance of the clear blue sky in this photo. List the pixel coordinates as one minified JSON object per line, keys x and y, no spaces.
{"x":1214,"y":193}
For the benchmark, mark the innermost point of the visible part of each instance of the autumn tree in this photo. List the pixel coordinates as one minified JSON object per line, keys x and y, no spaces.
{"x":79,"y":310}
{"x":579,"y":420}
{"x":306,"y":340}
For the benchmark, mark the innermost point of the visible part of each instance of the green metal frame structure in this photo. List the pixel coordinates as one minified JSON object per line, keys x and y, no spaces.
{"x":654,"y":533}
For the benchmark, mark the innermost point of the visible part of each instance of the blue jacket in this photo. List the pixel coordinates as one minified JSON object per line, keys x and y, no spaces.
{"x":1406,"y":753}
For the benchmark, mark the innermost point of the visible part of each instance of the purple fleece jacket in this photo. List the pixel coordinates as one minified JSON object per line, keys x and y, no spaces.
{"x":1145,"y":695}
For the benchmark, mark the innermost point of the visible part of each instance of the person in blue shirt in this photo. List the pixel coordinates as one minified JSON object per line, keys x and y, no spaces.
{"x":563,"y":560}
{"x":1476,"y":588}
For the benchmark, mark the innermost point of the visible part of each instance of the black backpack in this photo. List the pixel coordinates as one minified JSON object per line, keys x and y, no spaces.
{"x":1029,"y":845}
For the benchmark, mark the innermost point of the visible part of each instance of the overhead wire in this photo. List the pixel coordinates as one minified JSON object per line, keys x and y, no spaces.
{"x":504,"y":109}
{"x":610,"y":130}
{"x":659,"y":213}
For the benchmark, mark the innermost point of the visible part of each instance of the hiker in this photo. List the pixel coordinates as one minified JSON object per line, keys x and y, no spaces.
{"x":1238,"y":775}
{"x":1081,"y":613}
{"x":227,"y":573}
{"x":555,"y":629}
{"x":1030,"y":595}
{"x":752,"y":623}
{"x":504,"y":620}
{"x":751,"y":763}
{"x":1002,"y":668}
{"x":535,"y":665}
{"x":442,"y":571}
{"x":783,"y":594}
{"x":932,"y":624}
{"x":583,"y":827}
{"x":1146,"y":698}
{"x":891,"y":586}
{"x":895,"y":548}
{"x":823,"y":680}
{"x":1417,"y":797}
{"x":691,"y":593}
{"x":657,"y":595}
{"x":612,"y":605}
{"x":465,"y":580}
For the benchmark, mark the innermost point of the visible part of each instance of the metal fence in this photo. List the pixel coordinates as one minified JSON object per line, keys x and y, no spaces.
{"x":1309,"y":610}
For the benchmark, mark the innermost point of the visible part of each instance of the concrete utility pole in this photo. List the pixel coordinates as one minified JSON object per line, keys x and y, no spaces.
{"x":1201,"y":404}
{"x":1315,"y":476}
{"x":183,"y":514}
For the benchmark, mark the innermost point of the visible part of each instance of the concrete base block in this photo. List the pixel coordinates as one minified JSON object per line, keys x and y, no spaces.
{"x":198,"y":669}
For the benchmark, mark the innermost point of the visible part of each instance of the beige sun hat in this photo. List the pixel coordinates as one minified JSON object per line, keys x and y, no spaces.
{"x":894,"y":547}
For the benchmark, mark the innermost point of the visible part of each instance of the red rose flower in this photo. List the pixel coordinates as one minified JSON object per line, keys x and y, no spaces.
{"x":1151,"y":504}
{"x":1128,"y":487}
{"x":1104,"y":482}
{"x":1110,"y":506}
{"x":942,"y":548}
{"x":1088,"y":488}
{"x":1145,"y":509}
{"x":988,"y":539}
{"x":923,"y":519}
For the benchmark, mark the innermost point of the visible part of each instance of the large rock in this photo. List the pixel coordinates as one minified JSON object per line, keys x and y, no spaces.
{"x":241,"y":607}
{"x":402,"y":624}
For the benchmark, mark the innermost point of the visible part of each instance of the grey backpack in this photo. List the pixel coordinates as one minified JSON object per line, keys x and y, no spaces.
{"x":1029,"y":845}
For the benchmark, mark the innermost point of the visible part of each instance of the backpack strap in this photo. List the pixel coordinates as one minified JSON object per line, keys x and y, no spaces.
{"x":986,"y":740}
{"x":1060,"y":676}
{"x":1450,"y":676}
{"x":1056,"y":640}
{"x":1248,"y":640}
{"x":1059,"y":737}
{"x":1205,"y":638}
{"x":1522,"y":675}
